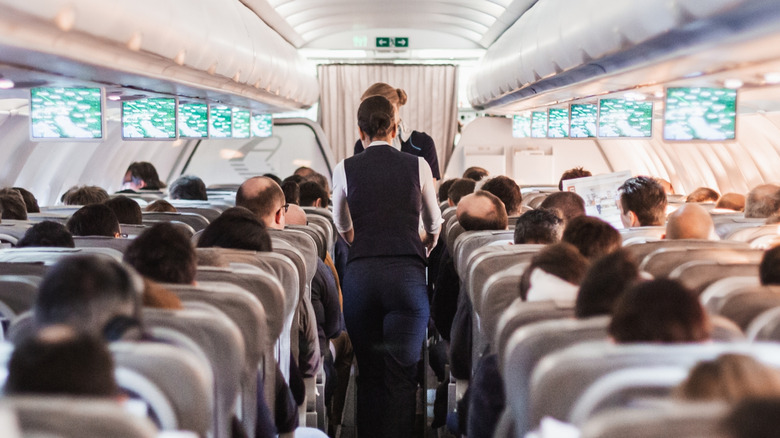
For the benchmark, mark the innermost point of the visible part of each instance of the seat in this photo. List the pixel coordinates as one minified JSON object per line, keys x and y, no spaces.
{"x":727,"y":224}
{"x":562,"y":378}
{"x":642,"y":232}
{"x":317,"y":235}
{"x":327,"y":227}
{"x":72,"y":417}
{"x":47,"y":216}
{"x":468,"y":241}
{"x":203,"y":208}
{"x":498,"y":293}
{"x":50,"y":256}
{"x":488,"y":260}
{"x":661,"y":262}
{"x":14,"y":228}
{"x":452,"y":229}
{"x":120,"y":244}
{"x":17,"y":294}
{"x":713,"y":296}
{"x":748,"y":234}
{"x":743,"y":305}
{"x":670,"y":419}
{"x":196,"y":221}
{"x":697,"y":275}
{"x":132,"y":230}
{"x":641,"y":250}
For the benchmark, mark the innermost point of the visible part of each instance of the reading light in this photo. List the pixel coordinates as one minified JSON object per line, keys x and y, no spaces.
{"x":6,"y":84}
{"x":733,"y":83}
{"x":114,"y":97}
{"x":658,"y":94}
{"x":772,"y":77}
{"x":635,"y":96}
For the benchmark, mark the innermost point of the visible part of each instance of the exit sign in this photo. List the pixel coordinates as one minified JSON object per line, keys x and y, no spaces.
{"x":390,"y":42}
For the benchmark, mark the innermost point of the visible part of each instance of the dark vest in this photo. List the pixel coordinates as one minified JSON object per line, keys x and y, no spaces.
{"x":384,"y":198}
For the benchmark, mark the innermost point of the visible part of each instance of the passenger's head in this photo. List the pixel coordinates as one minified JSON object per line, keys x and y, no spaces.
{"x":507,"y":190}
{"x":312,"y":195}
{"x":642,"y":202}
{"x":763,"y":201}
{"x":376,"y":118}
{"x":690,"y":221}
{"x":273,"y":177}
{"x":164,"y":254}
{"x":569,"y":204}
{"x":754,"y":417}
{"x":87,"y":292}
{"x":304,"y":172}
{"x":29,"y":200}
{"x":94,"y":220}
{"x":660,"y":311}
{"x":127,"y":211}
{"x":188,"y":187}
{"x":731,"y":201}
{"x":481,"y":211}
{"x":606,"y":280}
{"x":60,"y":361}
{"x":538,"y":226}
{"x":47,"y":233}
{"x":142,"y":175}
{"x":296,"y":216}
{"x":236,"y":228}
{"x":458,"y":189}
{"x":769,"y":269}
{"x":703,"y":194}
{"x":730,"y":378}
{"x":292,"y":192}
{"x":263,"y":197}
{"x":12,"y":205}
{"x":444,"y":188}
{"x":577,"y":172}
{"x":593,"y":237}
{"x":161,"y":206}
{"x":85,"y":195}
{"x":666,"y":185}
{"x":320,"y":180}
{"x":555,"y":271}
{"x":475,"y":173}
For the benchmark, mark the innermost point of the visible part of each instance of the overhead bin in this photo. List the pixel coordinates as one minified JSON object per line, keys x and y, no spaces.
{"x":582,"y":47}
{"x":214,"y":49}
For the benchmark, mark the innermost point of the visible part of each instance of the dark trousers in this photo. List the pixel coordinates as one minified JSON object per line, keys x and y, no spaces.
{"x":386,"y":312}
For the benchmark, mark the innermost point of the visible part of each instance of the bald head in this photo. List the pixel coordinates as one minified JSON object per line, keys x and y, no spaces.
{"x":481,"y":210}
{"x":691,"y":221}
{"x":295,"y":215}
{"x":263,"y":197}
{"x":763,"y":201}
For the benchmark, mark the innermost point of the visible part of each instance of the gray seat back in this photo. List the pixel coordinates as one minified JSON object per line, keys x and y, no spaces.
{"x":661,"y":262}
{"x":765,"y":326}
{"x":713,"y":296}
{"x":697,"y":275}
{"x":469,"y":241}
{"x":316,"y":233}
{"x":14,"y":228}
{"x":649,"y":233}
{"x":748,"y":234}
{"x":486,"y":261}
{"x":208,"y":212}
{"x":641,"y":250}
{"x":132,"y":230}
{"x":194,"y":220}
{"x":17,"y":294}
{"x":327,"y":227}
{"x":302,"y":243}
{"x":727,"y":224}
{"x":120,"y":244}
{"x":50,"y":256}
{"x":743,"y":305}
{"x":690,"y":420}
{"x":500,"y":290}
{"x":454,"y":229}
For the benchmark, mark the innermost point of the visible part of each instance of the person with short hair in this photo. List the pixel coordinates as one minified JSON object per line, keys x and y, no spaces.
{"x":569,"y":204}
{"x":554,"y":274}
{"x":188,"y":187}
{"x":481,"y":210}
{"x":769,"y":269}
{"x":730,"y":378}
{"x":263,"y":197}
{"x":731,"y":201}
{"x":753,"y":417}
{"x":46,"y":234}
{"x":690,"y":221}
{"x":84,"y":195}
{"x":29,"y":200}
{"x":763,"y":201}
{"x":475,"y":173}
{"x":538,"y":226}
{"x":164,"y":254}
{"x":94,"y":220}
{"x":642,"y":202}
{"x":703,"y":194}
{"x":236,"y":228}
{"x":458,"y":189}
{"x":312,"y":195}
{"x":141,"y":175}
{"x":127,"y":211}
{"x":606,"y":280}
{"x":593,"y":237}
{"x":160,"y":205}
{"x":507,"y":190}
{"x":292,"y":192}
{"x":573,"y":173}
{"x":660,"y":311}
{"x":444,"y":187}
{"x":12,"y":205}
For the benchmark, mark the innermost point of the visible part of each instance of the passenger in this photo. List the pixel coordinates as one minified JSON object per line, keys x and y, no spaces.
{"x":481,"y":210}
{"x":236,"y":228}
{"x":385,"y":300}
{"x":475,"y":173}
{"x":703,"y":194}
{"x":691,"y":221}
{"x":769,"y":269}
{"x":141,"y":175}
{"x":46,"y":234}
{"x":304,"y":172}
{"x":574,"y":173}
{"x":569,"y":204}
{"x":507,"y":190}
{"x":416,"y":143}
{"x":94,"y":220}
{"x":593,"y":237}
{"x":538,"y":227}
{"x":295,"y":215}
{"x":763,"y":201}
{"x":606,"y":280}
{"x":731,"y":201}
{"x":29,"y":200}
{"x":84,"y":195}
{"x":263,"y":197}
{"x":642,"y":202}
{"x":161,"y":206}
{"x":321,"y":181}
{"x":753,"y":418}
{"x":312,"y":195}
{"x":273,"y":177}
{"x":554,"y":274}
{"x":164,"y":254}
{"x":661,"y":311}
{"x":188,"y":187}
{"x":444,"y":188}
{"x":292,"y":192}
{"x":60,"y":361}
{"x":12,"y":205}
{"x":666,"y":185}
{"x":458,"y":189}
{"x":127,"y":211}
{"x":730,"y":378}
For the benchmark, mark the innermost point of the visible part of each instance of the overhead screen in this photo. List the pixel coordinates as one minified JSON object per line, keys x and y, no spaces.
{"x":584,"y":119}
{"x":558,"y":123}
{"x":625,"y":118}
{"x":262,"y":125}
{"x":221,"y":122}
{"x":193,"y":120}
{"x":521,"y":126}
{"x":700,"y":114}
{"x":242,"y":124}
{"x":152,"y":118}
{"x":539,"y":124}
{"x":66,"y":113}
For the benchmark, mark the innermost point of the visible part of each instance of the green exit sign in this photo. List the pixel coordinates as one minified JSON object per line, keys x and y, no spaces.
{"x":390,"y":42}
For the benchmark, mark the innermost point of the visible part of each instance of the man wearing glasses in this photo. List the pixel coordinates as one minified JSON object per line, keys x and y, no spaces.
{"x":263,"y":197}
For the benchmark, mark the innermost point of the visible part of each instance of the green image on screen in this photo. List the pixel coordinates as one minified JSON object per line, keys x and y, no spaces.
{"x":241,"y":123}
{"x":521,"y":126}
{"x":221,"y":122}
{"x":558,"y":125}
{"x":149,"y":118}
{"x":193,"y":120}
{"x":625,"y":118}
{"x":700,"y":114}
{"x":539,"y":124}
{"x":583,"y":120}
{"x":66,"y":113}
{"x":262,"y":125}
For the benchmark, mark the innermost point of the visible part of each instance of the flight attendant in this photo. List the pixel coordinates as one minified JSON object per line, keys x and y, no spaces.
{"x":378,"y":199}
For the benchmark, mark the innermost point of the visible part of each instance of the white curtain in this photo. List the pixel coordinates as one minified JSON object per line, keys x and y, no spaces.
{"x":431,"y":106}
